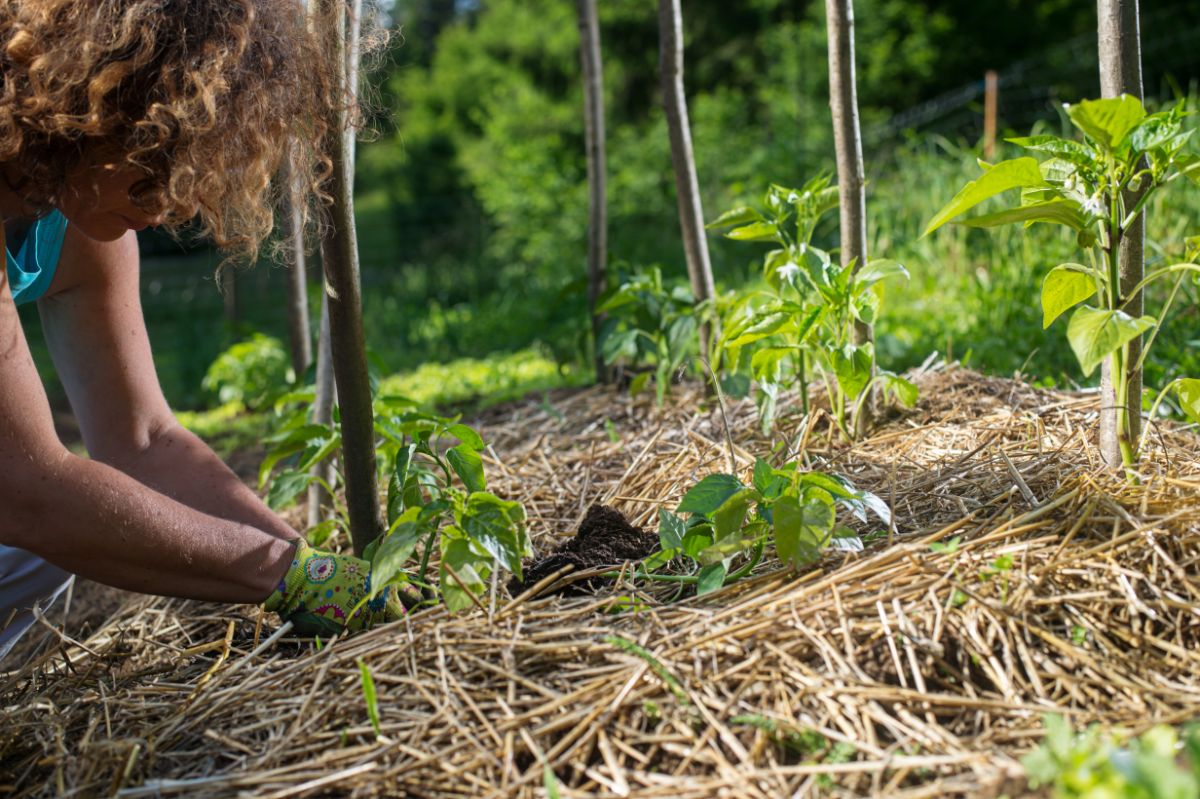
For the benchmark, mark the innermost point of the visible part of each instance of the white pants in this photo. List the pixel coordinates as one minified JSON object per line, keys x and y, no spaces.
{"x":25,"y":581}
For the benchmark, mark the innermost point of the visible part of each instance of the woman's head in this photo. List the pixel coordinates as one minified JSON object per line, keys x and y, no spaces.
{"x":131,"y":112}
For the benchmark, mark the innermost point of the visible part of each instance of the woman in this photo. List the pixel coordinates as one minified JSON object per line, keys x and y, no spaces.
{"x":116,"y":115}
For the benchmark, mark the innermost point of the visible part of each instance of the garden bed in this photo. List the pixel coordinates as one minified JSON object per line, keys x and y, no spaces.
{"x":904,"y":670}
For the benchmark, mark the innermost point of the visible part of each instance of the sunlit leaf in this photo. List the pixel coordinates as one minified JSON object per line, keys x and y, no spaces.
{"x":1094,"y":334}
{"x":1014,"y":174}
{"x":709,"y":494}
{"x":1065,"y":286}
{"x":1109,"y":120}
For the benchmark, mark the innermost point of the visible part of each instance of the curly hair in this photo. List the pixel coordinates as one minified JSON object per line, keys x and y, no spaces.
{"x":208,"y":97}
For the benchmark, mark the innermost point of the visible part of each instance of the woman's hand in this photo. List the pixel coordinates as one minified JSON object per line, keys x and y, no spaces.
{"x":322,"y":593}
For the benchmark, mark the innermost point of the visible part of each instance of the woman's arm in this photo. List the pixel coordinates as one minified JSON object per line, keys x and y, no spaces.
{"x":97,"y":336}
{"x":91,"y":519}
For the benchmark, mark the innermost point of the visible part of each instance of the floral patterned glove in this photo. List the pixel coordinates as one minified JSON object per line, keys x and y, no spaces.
{"x":320,"y":590}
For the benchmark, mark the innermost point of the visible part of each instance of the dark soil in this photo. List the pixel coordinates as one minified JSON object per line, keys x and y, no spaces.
{"x":606,"y":538}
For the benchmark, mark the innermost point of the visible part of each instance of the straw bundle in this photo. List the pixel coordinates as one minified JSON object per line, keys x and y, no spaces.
{"x":901,"y":671}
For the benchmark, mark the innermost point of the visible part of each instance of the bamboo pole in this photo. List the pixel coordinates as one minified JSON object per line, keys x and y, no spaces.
{"x":593,"y":119}
{"x":339,"y":252}
{"x":847,"y":138}
{"x":1121,"y":73}
{"x":687,"y":185}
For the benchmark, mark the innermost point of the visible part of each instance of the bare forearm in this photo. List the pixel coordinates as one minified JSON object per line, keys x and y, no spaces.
{"x":180,"y":465}
{"x":95,"y":521}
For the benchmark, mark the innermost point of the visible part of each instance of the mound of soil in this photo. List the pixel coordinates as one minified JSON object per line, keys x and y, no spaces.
{"x":605,"y":538}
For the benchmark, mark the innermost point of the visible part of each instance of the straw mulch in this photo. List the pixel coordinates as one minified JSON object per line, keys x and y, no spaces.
{"x":900,"y":671}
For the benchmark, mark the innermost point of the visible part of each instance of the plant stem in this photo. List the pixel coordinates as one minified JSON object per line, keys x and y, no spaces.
{"x":427,"y":552}
{"x":803,"y":376}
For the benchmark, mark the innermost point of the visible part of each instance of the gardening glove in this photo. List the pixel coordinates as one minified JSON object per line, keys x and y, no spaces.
{"x":320,"y":590}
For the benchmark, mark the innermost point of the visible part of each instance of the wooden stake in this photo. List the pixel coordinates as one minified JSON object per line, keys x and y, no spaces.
{"x":991,"y":85}
{"x":687,"y":185}
{"x":847,"y":138}
{"x":1121,"y":73}
{"x":339,"y":252}
{"x":593,"y":118}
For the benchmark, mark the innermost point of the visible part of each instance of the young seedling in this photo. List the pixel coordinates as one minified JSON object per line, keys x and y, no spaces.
{"x":1081,"y":185}
{"x":727,"y":520}
{"x":805,"y":321}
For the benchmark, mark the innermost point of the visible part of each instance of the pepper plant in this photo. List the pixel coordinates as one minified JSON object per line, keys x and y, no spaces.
{"x":437,"y":496}
{"x":803,"y":323}
{"x":1084,"y":185}
{"x":650,"y":323}
{"x":725,"y":519}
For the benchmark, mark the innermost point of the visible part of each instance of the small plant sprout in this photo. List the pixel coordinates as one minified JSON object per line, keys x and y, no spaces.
{"x":370,"y":696}
{"x":804,"y":322}
{"x":727,"y":520}
{"x":1082,"y":185}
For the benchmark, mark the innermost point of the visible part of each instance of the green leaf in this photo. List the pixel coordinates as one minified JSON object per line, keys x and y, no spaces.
{"x":370,"y":696}
{"x":550,"y":782}
{"x":1058,"y":211}
{"x":1094,"y":334}
{"x":1107,"y":121}
{"x":395,"y":495}
{"x":1014,"y":174}
{"x":393,"y":552}
{"x":880,"y":269}
{"x":286,"y":487}
{"x":711,"y":578}
{"x":639,"y":382}
{"x":736,"y":386}
{"x":709,"y":494}
{"x":728,"y":519}
{"x":499,"y":527}
{"x":671,"y":529}
{"x":619,"y":344}
{"x":767,"y":364}
{"x":318,"y":454}
{"x":905,"y":391}
{"x":764,"y":475}
{"x":318,"y":535}
{"x":468,"y":465}
{"x":852,"y":366}
{"x":457,"y":555}
{"x":755,"y":231}
{"x":1188,"y":391}
{"x":467,"y":436}
{"x":802,"y":530}
{"x":761,"y":326}
{"x":735,"y":216}
{"x":696,"y":540}
{"x":1065,"y":286}
{"x":1067,"y":150}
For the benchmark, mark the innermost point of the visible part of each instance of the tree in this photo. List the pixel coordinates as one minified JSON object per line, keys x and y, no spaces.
{"x":847,"y":139}
{"x":593,"y":119}
{"x":339,"y":254}
{"x":687,"y":186}
{"x":1121,"y":73}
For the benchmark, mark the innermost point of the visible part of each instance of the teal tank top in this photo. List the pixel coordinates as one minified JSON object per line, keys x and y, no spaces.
{"x":31,"y":269}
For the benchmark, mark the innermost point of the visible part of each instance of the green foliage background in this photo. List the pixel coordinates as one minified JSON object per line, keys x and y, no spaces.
{"x":482,"y":174}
